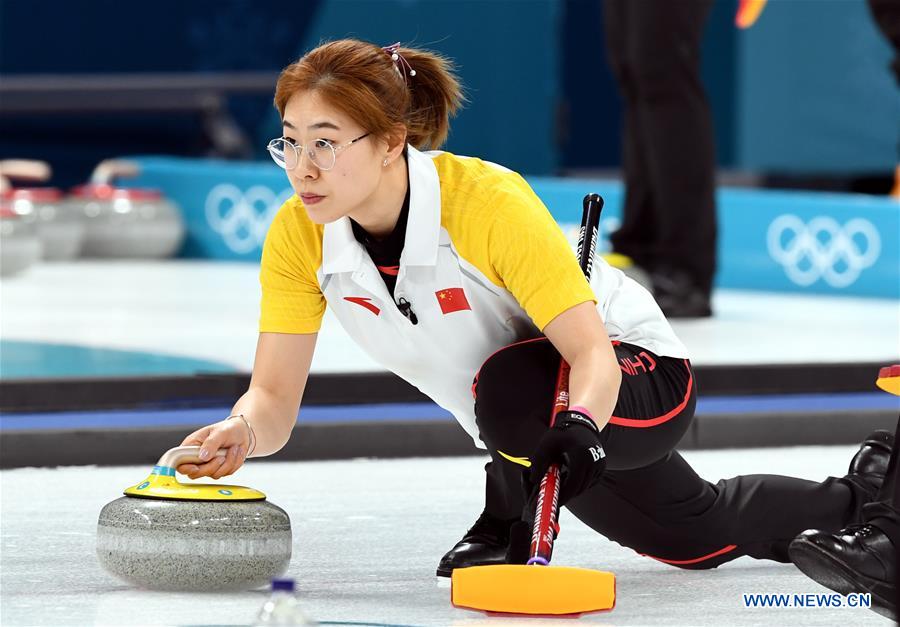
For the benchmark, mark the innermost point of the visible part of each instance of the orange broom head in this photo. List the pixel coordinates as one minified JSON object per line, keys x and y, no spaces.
{"x":537,"y":590}
{"x":889,"y":379}
{"x":748,"y":12}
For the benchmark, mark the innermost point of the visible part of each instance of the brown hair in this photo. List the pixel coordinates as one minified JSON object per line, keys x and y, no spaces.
{"x":362,"y":80}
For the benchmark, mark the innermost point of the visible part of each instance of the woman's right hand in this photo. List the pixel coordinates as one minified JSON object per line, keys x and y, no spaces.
{"x":230,"y":434}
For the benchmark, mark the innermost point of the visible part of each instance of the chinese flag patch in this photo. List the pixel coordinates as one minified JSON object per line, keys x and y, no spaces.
{"x":452,"y":299}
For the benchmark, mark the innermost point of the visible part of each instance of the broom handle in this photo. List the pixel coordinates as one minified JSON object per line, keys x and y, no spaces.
{"x":547,"y":511}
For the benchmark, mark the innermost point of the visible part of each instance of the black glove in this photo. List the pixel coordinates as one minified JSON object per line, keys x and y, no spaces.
{"x":574,"y":443}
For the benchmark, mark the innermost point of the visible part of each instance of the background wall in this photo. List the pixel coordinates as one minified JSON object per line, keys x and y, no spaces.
{"x":507,"y":55}
{"x":806,"y":90}
{"x":815,"y":93}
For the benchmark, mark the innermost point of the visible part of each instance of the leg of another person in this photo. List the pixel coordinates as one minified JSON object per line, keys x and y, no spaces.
{"x":675,"y":121}
{"x":637,"y":233}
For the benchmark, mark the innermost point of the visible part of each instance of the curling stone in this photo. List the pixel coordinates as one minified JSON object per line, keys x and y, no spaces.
{"x":57,"y":221}
{"x":20,"y":246}
{"x":166,"y":535}
{"x":136,"y":223}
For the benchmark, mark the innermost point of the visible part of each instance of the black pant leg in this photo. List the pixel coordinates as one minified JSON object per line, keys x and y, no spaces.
{"x":637,"y":233}
{"x":666,"y":511}
{"x":513,"y":400}
{"x":504,"y":493}
{"x":674,"y":123}
{"x":886,"y":14}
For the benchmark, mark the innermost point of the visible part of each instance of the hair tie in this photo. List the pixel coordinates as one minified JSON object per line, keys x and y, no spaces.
{"x":400,"y":64}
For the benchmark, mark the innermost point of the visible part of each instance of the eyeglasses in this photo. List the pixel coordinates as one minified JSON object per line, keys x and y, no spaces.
{"x":321,"y":152}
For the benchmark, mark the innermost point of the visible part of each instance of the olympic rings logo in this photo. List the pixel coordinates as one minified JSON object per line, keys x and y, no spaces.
{"x":242,"y":218}
{"x":823,"y":249}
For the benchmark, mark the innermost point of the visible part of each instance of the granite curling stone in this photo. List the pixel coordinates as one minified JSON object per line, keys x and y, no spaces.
{"x":165,"y":535}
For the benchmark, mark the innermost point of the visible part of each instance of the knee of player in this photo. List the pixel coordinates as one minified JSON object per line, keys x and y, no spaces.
{"x":513,"y":379}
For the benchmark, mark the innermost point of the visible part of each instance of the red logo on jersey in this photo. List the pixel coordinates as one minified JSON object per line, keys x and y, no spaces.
{"x":364,"y":302}
{"x":452,"y":299}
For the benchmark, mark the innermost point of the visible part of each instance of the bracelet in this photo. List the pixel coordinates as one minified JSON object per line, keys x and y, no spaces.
{"x":250,"y":429}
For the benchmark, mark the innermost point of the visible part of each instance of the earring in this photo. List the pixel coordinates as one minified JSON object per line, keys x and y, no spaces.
{"x":385,"y":163}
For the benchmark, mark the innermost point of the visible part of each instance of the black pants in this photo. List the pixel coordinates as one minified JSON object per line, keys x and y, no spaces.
{"x":669,"y":220}
{"x":649,"y":499}
{"x":886,"y":14}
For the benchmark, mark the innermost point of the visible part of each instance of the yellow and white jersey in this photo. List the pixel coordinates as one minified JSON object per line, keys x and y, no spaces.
{"x":484,"y":265}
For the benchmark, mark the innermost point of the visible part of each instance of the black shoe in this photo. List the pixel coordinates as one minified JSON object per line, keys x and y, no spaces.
{"x":873,"y":456}
{"x":678,"y":296}
{"x":485,"y":543}
{"x":859,"y":558}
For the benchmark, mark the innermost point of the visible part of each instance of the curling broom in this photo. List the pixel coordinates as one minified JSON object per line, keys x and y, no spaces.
{"x":538,"y":588}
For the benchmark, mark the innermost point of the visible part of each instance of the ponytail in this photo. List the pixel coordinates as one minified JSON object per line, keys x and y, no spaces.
{"x":435,"y":97}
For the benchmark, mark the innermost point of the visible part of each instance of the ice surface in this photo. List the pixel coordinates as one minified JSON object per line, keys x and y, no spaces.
{"x":209,"y":310}
{"x":367,"y":537}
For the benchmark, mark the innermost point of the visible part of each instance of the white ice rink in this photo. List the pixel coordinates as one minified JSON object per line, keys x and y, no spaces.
{"x":209,"y":310}
{"x":367,"y":537}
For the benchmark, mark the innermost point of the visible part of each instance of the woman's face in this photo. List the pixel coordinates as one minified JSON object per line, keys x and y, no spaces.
{"x":331,"y":194}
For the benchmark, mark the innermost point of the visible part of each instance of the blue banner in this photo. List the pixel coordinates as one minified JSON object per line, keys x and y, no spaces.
{"x":768,"y":240}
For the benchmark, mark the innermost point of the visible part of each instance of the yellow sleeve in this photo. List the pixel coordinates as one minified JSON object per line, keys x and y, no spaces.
{"x":292,"y":301}
{"x":531,"y":255}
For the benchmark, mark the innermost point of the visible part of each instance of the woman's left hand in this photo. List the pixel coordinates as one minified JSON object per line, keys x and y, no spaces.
{"x":574,"y":443}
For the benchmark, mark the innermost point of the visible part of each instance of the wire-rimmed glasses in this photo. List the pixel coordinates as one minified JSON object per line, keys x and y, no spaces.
{"x":321,"y":152}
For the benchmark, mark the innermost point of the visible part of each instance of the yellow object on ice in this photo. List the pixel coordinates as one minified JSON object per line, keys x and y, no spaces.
{"x":889,"y":379}
{"x":534,"y":590}
{"x":618,"y":260}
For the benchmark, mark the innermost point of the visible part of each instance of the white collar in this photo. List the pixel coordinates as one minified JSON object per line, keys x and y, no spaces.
{"x":342,"y":253}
